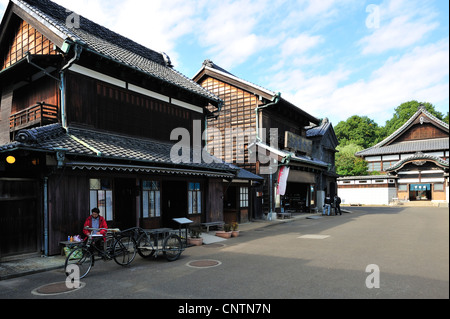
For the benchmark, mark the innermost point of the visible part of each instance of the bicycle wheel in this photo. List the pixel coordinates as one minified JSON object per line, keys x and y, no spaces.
{"x":172,"y":247}
{"x":82,"y":258}
{"x":124,"y":250}
{"x":144,"y":246}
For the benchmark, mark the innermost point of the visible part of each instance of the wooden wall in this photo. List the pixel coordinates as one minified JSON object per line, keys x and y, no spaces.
{"x":26,"y":39}
{"x":19,"y":216}
{"x":43,"y":90}
{"x":100,"y":105}
{"x":68,"y":205}
{"x":238,"y":111}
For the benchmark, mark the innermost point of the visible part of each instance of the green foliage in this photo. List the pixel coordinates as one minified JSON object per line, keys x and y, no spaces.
{"x":359,"y":130}
{"x":347,"y":164}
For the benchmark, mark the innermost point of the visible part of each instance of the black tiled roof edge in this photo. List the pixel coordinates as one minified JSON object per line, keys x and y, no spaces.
{"x":107,"y":146}
{"x":114,"y":46}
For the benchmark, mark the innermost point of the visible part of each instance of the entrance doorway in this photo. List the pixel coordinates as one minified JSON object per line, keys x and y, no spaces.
{"x":125,"y":203}
{"x":419,"y":192}
{"x":297,"y":197}
{"x":174,"y":202}
{"x":19,"y":217}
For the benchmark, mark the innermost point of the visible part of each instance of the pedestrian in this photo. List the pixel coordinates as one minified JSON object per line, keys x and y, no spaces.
{"x":327,"y":206}
{"x":337,"y":204}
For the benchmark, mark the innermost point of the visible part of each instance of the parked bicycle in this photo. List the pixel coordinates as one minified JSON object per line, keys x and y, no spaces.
{"x":118,"y":245}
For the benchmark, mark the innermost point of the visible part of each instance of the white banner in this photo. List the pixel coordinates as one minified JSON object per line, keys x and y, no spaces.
{"x":282,"y":180}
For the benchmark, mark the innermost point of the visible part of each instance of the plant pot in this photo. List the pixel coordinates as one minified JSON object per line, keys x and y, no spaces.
{"x":235,"y":233}
{"x":195,"y":241}
{"x":223,"y":234}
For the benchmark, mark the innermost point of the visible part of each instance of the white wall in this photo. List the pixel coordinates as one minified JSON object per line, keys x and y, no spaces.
{"x":367,"y":195}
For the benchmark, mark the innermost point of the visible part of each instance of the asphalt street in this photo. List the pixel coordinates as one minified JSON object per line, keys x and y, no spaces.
{"x":371,"y":253}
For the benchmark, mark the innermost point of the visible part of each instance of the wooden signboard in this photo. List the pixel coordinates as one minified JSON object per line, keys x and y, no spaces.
{"x":298,"y":143}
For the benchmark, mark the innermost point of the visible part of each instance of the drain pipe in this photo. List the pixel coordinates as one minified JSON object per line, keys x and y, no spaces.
{"x":46,"y":216}
{"x":78,"y":49}
{"x":275,"y":100}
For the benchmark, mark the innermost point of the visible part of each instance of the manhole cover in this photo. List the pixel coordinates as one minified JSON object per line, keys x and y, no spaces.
{"x":206,"y":263}
{"x":56,"y":288}
{"x":214,"y":246}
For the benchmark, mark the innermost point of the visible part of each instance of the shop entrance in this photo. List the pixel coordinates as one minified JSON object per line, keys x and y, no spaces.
{"x":297,"y":197}
{"x":419,"y":192}
{"x":174,"y":202}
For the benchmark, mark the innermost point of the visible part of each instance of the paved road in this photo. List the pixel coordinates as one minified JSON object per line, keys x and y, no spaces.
{"x":322,"y":258}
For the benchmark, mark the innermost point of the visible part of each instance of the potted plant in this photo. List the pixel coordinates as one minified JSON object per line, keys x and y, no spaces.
{"x":194,"y":236}
{"x":234,"y":229}
{"x":226,"y":232}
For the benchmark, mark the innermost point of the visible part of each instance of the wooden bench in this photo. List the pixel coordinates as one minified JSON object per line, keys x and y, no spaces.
{"x":219,"y":225}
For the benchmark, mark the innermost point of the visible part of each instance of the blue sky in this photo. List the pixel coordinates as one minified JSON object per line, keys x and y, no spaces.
{"x":332,"y":58}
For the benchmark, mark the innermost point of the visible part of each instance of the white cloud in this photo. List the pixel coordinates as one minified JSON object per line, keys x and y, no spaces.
{"x":421,"y":74}
{"x":228,"y":32}
{"x":402,"y":24}
{"x":299,"y":45}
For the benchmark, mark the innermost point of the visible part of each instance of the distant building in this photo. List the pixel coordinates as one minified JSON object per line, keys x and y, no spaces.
{"x":413,"y":161}
{"x":304,"y":144}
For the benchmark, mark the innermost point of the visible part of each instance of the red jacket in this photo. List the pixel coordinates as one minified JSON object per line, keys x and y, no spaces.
{"x":101,"y":224}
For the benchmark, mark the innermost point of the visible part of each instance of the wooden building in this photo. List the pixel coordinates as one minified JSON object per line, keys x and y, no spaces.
{"x":412,"y":161}
{"x":258,"y":130}
{"x":86,"y":120}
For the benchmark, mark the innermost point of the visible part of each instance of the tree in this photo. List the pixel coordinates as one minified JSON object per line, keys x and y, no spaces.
{"x":347,"y":164}
{"x":404,"y":112}
{"x":359,"y":130}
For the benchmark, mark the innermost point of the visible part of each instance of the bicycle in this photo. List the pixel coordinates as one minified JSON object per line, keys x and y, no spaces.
{"x":118,"y":245}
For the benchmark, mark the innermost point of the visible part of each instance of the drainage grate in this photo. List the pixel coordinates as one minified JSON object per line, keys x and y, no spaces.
{"x":206,"y":263}
{"x":56,"y":288}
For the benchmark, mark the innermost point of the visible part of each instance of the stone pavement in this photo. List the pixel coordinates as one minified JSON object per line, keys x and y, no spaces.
{"x":23,"y":267}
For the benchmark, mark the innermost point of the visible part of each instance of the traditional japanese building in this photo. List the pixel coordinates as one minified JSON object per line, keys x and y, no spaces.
{"x":86,"y":120}
{"x":413,"y":162}
{"x":258,"y":130}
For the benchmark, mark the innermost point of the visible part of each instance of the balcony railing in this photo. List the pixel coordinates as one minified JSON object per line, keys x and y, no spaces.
{"x":39,"y":114}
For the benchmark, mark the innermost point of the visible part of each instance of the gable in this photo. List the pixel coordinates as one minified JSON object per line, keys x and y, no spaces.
{"x":24,"y":38}
{"x":421,"y":126}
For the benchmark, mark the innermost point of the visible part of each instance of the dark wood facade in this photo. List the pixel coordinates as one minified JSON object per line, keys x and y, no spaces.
{"x":95,"y":104}
{"x":250,"y":112}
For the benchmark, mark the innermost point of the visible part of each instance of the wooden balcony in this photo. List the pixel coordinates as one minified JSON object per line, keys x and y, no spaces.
{"x":37,"y":115}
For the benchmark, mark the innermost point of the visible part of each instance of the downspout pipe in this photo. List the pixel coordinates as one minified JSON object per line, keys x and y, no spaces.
{"x":275,"y":100}
{"x":77,"y":52}
{"x":46,"y":216}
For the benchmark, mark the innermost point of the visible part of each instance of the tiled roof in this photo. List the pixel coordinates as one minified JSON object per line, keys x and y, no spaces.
{"x":408,"y":147}
{"x":388,"y":145}
{"x":93,"y":145}
{"x":417,"y":157}
{"x":107,"y":43}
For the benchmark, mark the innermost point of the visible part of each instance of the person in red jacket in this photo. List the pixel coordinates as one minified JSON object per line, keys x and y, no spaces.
{"x":95,"y":221}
